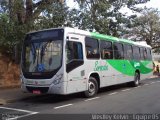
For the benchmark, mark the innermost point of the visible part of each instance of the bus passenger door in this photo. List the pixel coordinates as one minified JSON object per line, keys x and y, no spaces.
{"x":75,"y":67}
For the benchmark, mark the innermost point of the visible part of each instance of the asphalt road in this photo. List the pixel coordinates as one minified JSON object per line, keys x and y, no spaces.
{"x":120,"y":99}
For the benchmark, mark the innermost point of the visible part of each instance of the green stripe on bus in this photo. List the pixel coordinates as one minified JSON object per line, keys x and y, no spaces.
{"x":129,"y":67}
{"x":103,"y":37}
{"x":110,"y":38}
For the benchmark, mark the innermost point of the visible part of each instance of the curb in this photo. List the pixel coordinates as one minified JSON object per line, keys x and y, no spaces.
{"x":9,"y":87}
{"x":3,"y":101}
{"x":6,"y":101}
{"x":154,"y":76}
{"x":11,"y":100}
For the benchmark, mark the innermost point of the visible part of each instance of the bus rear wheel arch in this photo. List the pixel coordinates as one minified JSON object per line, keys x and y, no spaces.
{"x":92,"y":88}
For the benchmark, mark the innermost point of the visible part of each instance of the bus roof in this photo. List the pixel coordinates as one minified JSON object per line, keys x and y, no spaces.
{"x":106,"y":37}
{"x":97,"y":36}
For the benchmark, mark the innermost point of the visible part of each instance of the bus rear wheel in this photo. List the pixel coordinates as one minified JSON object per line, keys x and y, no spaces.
{"x":136,"y":82}
{"x":92,"y":88}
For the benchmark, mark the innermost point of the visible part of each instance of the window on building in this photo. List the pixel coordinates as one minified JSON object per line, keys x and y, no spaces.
{"x":106,"y":50}
{"x":92,"y":48}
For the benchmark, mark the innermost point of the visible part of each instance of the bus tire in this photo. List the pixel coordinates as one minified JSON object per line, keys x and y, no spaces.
{"x":136,"y":82}
{"x":92,"y":88}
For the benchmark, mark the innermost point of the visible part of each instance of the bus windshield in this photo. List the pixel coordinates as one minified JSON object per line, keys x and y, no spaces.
{"x":42,"y":52}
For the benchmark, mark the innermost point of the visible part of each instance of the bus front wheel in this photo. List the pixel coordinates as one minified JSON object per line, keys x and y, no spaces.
{"x":92,"y":88}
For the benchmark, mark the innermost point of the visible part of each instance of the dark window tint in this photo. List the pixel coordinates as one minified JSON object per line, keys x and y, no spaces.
{"x":118,"y":51}
{"x":128,"y":54}
{"x":142,"y":53}
{"x":149,"y":55}
{"x":136,"y":53}
{"x":92,"y":49}
{"x":106,"y":50}
{"x":145,"y":53}
{"x":74,"y":51}
{"x":74,"y":55}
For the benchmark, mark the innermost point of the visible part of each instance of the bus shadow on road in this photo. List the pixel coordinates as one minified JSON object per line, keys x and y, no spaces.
{"x":115,"y":88}
{"x":49,"y":98}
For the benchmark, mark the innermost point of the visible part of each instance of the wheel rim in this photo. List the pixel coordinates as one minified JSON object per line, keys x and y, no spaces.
{"x":137,"y":80}
{"x":91,"y":88}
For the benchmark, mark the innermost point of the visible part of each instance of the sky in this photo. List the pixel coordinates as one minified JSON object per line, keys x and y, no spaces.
{"x":154,"y":4}
{"x":151,"y":3}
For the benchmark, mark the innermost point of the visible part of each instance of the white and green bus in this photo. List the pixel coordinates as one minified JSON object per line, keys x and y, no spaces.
{"x":67,"y":60}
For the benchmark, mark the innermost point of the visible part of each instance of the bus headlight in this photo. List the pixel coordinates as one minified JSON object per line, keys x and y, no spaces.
{"x":58,"y":79}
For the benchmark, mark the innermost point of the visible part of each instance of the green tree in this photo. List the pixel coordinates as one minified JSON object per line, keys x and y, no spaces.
{"x":146,"y":27}
{"x":104,"y":16}
{"x":18,"y":17}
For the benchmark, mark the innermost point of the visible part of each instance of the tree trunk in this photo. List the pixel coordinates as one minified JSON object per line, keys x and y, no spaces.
{"x":12,"y":14}
{"x":16,"y":57}
{"x":20,"y":11}
{"x":29,"y":11}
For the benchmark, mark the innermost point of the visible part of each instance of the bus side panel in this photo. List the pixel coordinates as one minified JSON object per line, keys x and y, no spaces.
{"x":121,"y":70}
{"x":58,"y":89}
{"x":76,"y":81}
{"x":148,"y":71}
{"x":107,"y":74}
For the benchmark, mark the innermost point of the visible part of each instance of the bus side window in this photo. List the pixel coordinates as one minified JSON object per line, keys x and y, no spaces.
{"x":149,"y":55}
{"x":118,"y":51}
{"x":128,"y":53}
{"x":136,"y":53}
{"x":142,"y":53}
{"x":145,"y":53}
{"x":106,"y":50}
{"x":92,"y":48}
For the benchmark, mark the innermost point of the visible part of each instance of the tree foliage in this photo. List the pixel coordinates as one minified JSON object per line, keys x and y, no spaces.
{"x":104,"y":16}
{"x":18,"y":17}
{"x":146,"y":27}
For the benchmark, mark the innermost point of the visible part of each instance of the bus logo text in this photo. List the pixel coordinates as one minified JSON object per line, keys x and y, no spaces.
{"x":99,"y":67}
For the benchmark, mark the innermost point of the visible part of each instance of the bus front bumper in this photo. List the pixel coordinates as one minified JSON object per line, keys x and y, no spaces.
{"x":51,"y":89}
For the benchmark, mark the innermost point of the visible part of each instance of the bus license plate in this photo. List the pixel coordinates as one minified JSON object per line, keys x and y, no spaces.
{"x":36,"y":92}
